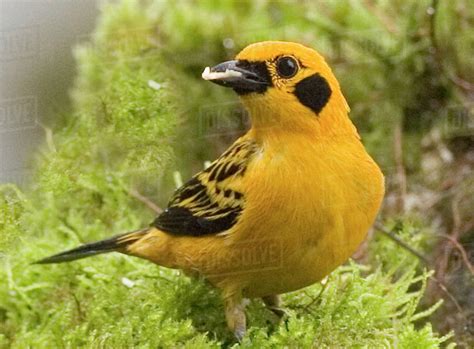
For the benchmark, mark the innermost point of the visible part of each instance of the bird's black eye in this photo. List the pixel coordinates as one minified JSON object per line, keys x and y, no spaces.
{"x":286,"y":67}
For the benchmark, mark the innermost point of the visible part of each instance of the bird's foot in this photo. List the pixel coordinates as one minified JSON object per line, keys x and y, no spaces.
{"x":280,"y":312}
{"x":272,"y":303}
{"x":239,"y":333}
{"x":235,"y":315}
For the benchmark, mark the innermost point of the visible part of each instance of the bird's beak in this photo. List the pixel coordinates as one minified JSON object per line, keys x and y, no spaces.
{"x":242,"y":76}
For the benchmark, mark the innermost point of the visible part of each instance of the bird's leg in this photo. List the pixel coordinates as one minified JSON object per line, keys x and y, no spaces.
{"x":273,"y":303}
{"x":235,"y":314}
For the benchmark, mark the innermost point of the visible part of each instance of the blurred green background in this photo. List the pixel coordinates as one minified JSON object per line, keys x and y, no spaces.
{"x":143,"y":120}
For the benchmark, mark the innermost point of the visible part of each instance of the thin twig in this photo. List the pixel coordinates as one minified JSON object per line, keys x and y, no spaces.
{"x":457,"y":221}
{"x":454,"y":238}
{"x":402,"y":243}
{"x":80,"y":312}
{"x":49,"y":137}
{"x":464,"y":84}
{"x":461,"y":250}
{"x":150,"y":204}
{"x":401,"y":173}
{"x":443,"y":287}
{"x":443,"y":261}
{"x":433,"y":13}
{"x":318,"y":296}
{"x":384,"y":18}
{"x":418,"y":254}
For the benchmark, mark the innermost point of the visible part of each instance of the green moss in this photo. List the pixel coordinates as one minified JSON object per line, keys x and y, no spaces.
{"x":352,"y":311}
{"x":390,"y":256}
{"x":119,"y":138}
{"x":12,"y":209}
{"x":87,"y":304}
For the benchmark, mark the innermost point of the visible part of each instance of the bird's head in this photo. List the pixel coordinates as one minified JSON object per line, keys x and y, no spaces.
{"x":285,"y":85}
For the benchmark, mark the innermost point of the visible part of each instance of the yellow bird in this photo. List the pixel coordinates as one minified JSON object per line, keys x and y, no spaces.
{"x":281,"y":208}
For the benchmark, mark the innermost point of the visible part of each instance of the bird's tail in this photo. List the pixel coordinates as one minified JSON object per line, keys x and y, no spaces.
{"x":117,"y":243}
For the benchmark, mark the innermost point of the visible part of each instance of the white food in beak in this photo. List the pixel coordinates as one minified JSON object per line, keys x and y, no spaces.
{"x":208,"y":75}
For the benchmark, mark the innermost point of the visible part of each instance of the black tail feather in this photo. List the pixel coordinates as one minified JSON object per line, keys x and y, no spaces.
{"x":115,"y":243}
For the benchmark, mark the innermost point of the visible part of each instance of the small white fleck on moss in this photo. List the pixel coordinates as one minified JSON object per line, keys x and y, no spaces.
{"x":154,"y":85}
{"x":127,"y":282}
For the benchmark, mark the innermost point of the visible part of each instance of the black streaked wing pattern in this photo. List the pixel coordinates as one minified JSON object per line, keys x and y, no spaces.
{"x":210,"y":202}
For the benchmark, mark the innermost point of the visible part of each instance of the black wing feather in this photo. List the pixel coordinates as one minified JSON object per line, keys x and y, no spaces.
{"x":210,"y":202}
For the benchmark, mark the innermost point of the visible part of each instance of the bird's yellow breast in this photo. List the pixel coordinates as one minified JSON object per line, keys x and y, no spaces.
{"x":308,"y":207}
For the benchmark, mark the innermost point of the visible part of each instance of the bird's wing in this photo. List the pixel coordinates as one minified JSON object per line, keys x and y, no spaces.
{"x":211,"y":201}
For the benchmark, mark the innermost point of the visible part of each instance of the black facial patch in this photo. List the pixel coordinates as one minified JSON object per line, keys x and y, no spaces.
{"x":313,"y":92}
{"x":261,"y":71}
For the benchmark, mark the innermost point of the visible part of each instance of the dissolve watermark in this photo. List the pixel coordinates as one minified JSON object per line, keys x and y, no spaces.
{"x":18,"y":113}
{"x":458,"y":120}
{"x":242,"y":258}
{"x":222,"y":118}
{"x":19,"y":43}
